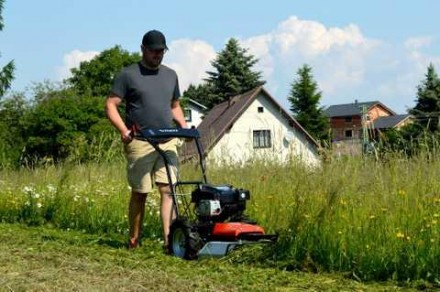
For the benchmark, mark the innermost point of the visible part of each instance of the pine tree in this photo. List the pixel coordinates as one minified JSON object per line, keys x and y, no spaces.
{"x":233,"y":74}
{"x":304,"y":98}
{"x":7,"y":72}
{"x":427,"y":109}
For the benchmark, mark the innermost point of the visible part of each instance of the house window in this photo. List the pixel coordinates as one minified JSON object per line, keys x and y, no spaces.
{"x":348,"y":133}
{"x":188,"y":115}
{"x":348,"y":119}
{"x":262,"y":139}
{"x":260,"y":109}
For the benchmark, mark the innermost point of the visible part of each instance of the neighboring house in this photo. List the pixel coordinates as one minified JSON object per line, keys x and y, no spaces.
{"x":349,"y":123}
{"x":392,"y":122}
{"x":194,"y":112}
{"x":253,"y":125}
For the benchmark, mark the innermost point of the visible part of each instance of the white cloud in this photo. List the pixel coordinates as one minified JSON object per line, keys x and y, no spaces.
{"x":312,"y":38}
{"x":338,"y":56}
{"x":259,"y":47}
{"x":418,"y":42}
{"x":191,"y":59}
{"x":72,"y":60}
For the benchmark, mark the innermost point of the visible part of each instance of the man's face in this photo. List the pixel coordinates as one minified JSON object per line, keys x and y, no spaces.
{"x":152,"y":58}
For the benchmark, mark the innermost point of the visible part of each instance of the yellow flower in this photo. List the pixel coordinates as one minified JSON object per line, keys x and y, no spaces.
{"x":400,"y":235}
{"x":401,"y":192}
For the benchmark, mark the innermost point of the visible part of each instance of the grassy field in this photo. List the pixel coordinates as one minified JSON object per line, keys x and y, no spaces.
{"x":368,"y":220}
{"x":43,"y":259}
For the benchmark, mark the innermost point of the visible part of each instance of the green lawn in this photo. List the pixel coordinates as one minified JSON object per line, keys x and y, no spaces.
{"x":46,"y":259}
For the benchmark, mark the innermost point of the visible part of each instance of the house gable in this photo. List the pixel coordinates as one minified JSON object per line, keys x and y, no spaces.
{"x":193,"y":113}
{"x":282,"y":139}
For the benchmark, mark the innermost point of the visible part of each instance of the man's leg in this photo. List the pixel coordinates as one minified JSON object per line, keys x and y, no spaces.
{"x":167,"y":212}
{"x":136,"y":211}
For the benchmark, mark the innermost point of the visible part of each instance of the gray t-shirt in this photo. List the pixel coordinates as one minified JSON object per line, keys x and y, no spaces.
{"x":148,"y":95}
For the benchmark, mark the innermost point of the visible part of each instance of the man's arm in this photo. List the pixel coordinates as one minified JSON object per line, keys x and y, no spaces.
{"x":178,"y":116}
{"x":111,"y":109}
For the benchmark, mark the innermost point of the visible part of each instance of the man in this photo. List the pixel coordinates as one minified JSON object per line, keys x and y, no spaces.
{"x":151,"y":95}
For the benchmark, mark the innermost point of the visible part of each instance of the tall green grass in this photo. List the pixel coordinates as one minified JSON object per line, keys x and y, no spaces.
{"x":376,"y":220}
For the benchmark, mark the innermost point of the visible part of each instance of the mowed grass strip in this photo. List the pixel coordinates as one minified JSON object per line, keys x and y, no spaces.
{"x":43,"y":259}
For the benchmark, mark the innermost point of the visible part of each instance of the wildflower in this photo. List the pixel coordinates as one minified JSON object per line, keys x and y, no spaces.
{"x":372,"y":216}
{"x":340,"y":232}
{"x":436,"y":215}
{"x":400,"y":235}
{"x":401,"y":192}
{"x":51,"y":188}
{"x":36,"y":195}
{"x":39,"y":205}
{"x":434,"y":222}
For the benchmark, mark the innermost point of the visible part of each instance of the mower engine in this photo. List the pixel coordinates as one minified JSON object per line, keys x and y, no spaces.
{"x":219,"y":203}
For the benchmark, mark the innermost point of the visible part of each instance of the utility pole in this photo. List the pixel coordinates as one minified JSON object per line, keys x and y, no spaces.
{"x":365,"y":138}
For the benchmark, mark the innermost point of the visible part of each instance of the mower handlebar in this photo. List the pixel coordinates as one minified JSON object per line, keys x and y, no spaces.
{"x":169,"y":133}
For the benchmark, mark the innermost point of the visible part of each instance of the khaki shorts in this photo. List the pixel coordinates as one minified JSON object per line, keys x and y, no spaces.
{"x":145,"y":165}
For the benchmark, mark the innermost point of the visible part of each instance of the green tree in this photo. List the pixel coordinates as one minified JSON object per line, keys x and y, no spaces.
{"x":7,"y":72}
{"x":233,"y":74}
{"x":424,"y":133}
{"x":304,"y":98}
{"x":61,"y":124}
{"x":198,"y":93}
{"x":427,"y":109}
{"x":12,"y":111}
{"x":94,"y":77}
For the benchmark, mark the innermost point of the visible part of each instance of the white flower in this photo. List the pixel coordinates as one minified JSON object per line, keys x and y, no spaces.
{"x":51,"y":188}
{"x":28,"y":189}
{"x":39,"y":205}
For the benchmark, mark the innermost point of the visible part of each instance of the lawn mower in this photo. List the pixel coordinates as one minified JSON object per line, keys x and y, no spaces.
{"x":209,"y":219}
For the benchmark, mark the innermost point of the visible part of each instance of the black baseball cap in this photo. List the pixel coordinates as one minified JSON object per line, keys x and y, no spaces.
{"x":154,"y":40}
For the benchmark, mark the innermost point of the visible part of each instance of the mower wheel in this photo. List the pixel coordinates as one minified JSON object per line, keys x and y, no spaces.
{"x":182,"y":241}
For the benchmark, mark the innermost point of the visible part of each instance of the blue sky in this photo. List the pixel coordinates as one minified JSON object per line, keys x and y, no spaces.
{"x":364,"y":50}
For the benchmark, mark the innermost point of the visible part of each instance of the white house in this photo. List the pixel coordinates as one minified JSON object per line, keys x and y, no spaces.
{"x":250,"y":126}
{"x":193,"y":113}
